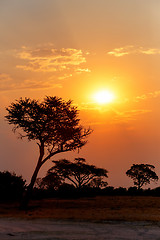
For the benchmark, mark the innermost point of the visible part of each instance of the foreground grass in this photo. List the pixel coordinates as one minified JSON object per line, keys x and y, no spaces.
{"x":117,"y":208}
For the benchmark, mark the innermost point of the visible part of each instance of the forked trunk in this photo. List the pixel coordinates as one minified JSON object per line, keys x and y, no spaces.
{"x":28,"y":193}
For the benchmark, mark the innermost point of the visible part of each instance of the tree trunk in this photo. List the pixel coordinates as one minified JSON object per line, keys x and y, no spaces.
{"x":28,"y":193}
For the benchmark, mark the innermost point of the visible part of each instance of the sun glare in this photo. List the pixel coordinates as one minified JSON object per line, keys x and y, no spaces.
{"x":104,"y":97}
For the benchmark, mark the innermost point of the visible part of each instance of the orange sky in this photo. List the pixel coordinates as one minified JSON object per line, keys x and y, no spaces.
{"x":73,"y":49}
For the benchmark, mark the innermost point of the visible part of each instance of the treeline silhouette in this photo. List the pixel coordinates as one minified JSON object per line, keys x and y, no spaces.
{"x":69,"y":191}
{"x":73,"y":179}
{"x":77,"y":178}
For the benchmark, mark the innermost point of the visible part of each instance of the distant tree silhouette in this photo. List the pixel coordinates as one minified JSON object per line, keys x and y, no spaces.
{"x":98,"y":182}
{"x":142,"y":174}
{"x":52,"y":123}
{"x":78,"y":172}
{"x":48,"y":182}
{"x":11,"y":186}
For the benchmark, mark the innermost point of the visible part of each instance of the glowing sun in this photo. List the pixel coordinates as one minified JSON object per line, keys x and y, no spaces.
{"x":104,"y":97}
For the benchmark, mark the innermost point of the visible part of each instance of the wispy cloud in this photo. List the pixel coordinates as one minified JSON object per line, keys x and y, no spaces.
{"x":4,"y":78}
{"x":65,"y":76}
{"x":5,"y":81}
{"x":8,"y":84}
{"x":130,"y":115}
{"x":102,"y":115}
{"x":49,"y":59}
{"x":83,"y":70}
{"x":115,"y":117}
{"x":146,"y":96}
{"x":126,"y":50}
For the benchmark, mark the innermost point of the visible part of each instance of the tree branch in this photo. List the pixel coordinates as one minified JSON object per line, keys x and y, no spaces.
{"x":70,"y":179}
{"x":54,"y":153}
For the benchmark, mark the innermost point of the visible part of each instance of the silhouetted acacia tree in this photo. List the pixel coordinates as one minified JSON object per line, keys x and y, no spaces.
{"x":11,"y":186}
{"x":52,"y":123}
{"x":78,"y":172}
{"x":142,"y":174}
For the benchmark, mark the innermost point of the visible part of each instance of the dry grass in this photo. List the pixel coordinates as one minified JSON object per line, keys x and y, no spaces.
{"x":121,"y":208}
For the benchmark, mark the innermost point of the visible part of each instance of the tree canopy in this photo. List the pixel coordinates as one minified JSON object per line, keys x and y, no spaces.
{"x":142,"y":174}
{"x":78,"y":172}
{"x":53,"y":123}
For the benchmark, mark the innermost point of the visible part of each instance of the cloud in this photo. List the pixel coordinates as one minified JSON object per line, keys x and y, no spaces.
{"x":146,"y":96}
{"x":130,"y":115}
{"x":36,"y":85}
{"x":114,"y":117}
{"x":8,"y":84}
{"x":49,"y":59}
{"x":119,"y":52}
{"x":83,"y":70}
{"x":65,"y":76}
{"x":4,"y":78}
{"x":126,"y":50}
{"x":5,"y":81}
{"x":102,"y":115}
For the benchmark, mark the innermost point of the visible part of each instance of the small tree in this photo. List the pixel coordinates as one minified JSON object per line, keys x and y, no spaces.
{"x":11,"y":186}
{"x":78,"y":172}
{"x":48,"y":182}
{"x":142,"y":174}
{"x":52,"y":123}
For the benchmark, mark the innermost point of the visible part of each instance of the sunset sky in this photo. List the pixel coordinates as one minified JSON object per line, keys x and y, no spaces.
{"x":75,"y":49}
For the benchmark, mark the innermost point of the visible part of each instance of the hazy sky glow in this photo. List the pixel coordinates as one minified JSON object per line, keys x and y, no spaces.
{"x":74,"y":49}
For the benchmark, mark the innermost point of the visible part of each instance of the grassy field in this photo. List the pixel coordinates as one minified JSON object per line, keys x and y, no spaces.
{"x":121,"y":208}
